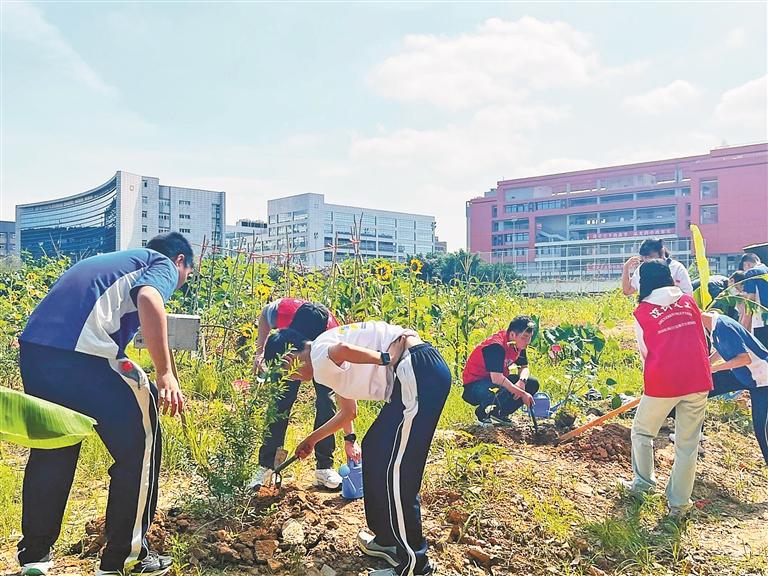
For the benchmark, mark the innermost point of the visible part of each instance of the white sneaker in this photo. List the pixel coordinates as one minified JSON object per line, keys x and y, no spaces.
{"x":260,"y":477}
{"x":37,"y":568}
{"x":328,"y":478}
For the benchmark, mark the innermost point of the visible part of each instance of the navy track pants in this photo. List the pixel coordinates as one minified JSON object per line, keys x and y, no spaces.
{"x":127,"y":424}
{"x":725,"y":382}
{"x":395,"y":453}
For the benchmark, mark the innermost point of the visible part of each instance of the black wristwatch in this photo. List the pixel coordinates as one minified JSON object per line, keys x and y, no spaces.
{"x":385,"y":359}
{"x":350,"y":437}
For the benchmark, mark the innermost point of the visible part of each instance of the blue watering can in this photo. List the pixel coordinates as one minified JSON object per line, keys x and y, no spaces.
{"x":351,"y":480}
{"x":542,"y":407}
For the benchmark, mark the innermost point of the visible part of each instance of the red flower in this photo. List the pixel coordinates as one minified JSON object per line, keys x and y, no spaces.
{"x":556,"y":348}
{"x":701,"y":503}
{"x":241,"y":385}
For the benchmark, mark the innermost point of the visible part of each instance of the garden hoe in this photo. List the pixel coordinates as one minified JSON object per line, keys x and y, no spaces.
{"x":276,"y":479}
{"x":536,"y":431}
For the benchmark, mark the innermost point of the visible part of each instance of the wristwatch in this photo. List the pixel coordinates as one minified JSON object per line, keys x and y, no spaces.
{"x":385,"y":359}
{"x":350,"y":437}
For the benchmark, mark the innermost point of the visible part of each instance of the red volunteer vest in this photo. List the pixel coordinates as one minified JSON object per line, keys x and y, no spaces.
{"x":475,"y":368}
{"x":286,"y":310}
{"x":677,"y":362}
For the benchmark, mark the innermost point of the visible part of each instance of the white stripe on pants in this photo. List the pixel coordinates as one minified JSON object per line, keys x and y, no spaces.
{"x":408,"y":392}
{"x":146,"y":402}
{"x":689,"y":418}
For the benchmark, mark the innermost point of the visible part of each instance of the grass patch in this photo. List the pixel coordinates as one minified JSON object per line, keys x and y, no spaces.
{"x":640,"y":535}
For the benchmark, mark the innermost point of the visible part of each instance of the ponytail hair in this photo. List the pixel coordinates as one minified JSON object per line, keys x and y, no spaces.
{"x":653,"y":274}
{"x":655,"y":246}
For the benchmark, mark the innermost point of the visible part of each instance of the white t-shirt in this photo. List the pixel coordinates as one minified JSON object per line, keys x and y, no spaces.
{"x":356,"y":381}
{"x":679,"y":275}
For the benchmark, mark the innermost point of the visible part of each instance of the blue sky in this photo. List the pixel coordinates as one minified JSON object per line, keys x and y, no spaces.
{"x":407,"y":106}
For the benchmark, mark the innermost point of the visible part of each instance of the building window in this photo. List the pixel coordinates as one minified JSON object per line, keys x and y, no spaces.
{"x":143,"y":213}
{"x":583,"y":201}
{"x":185,"y":203}
{"x":617,"y":198}
{"x":708,"y":214}
{"x":143,"y":243}
{"x":143,"y":228}
{"x":185,"y":230}
{"x":685,"y":191}
{"x":708,"y":189}
{"x":687,"y":209}
{"x":495,"y":211}
{"x":653,"y":194}
{"x":551,"y":205}
{"x":145,"y":183}
{"x":185,"y":217}
{"x":512,"y":208}
{"x":144,"y":200}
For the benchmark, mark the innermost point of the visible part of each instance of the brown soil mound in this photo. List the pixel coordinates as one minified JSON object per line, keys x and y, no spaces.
{"x":281,"y":529}
{"x":609,"y":443}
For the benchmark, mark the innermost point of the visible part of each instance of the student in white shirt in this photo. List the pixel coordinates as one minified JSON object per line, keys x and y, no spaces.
{"x":379,"y":361}
{"x":652,"y":249}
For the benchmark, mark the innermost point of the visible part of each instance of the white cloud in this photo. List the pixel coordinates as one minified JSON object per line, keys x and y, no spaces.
{"x":499,"y":61}
{"x":735,"y":38}
{"x":745,"y":105}
{"x":27,"y":23}
{"x":664,"y":99}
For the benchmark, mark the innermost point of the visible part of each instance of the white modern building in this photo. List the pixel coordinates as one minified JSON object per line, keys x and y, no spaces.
{"x":246,"y":235}
{"x":307,"y":227}
{"x":124,"y":212}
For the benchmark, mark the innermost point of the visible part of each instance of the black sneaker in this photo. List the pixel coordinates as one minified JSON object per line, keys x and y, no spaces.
{"x":483,"y":419}
{"x":368,"y":546}
{"x":153,"y":565}
{"x":498,"y":420}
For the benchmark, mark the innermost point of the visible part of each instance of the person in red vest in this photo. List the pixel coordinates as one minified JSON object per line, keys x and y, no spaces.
{"x":676,"y":374}
{"x":487,"y":381}
{"x":310,"y":320}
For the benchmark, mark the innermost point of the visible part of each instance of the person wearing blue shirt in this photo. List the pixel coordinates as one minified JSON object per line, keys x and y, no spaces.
{"x":740,"y":362}
{"x":72,"y":353}
{"x":756,"y":287}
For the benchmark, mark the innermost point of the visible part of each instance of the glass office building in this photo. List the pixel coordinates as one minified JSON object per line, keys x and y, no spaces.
{"x":124,"y":212}
{"x":78,"y":226}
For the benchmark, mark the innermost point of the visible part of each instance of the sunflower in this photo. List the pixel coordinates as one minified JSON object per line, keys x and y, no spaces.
{"x":383,"y":271}
{"x":416,"y":266}
{"x":263,"y":291}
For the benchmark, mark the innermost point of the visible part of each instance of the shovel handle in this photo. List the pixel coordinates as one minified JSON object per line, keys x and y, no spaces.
{"x":613,"y":413}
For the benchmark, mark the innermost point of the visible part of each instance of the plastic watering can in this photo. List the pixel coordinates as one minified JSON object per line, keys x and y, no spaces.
{"x":351,"y":480}
{"x":542,"y":407}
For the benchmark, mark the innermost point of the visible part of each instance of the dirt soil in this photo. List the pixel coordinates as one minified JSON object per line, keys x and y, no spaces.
{"x":543,"y":495}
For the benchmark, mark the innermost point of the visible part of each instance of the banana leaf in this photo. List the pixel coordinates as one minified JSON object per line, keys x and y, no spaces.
{"x":37,"y":423}
{"x":703,"y":265}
